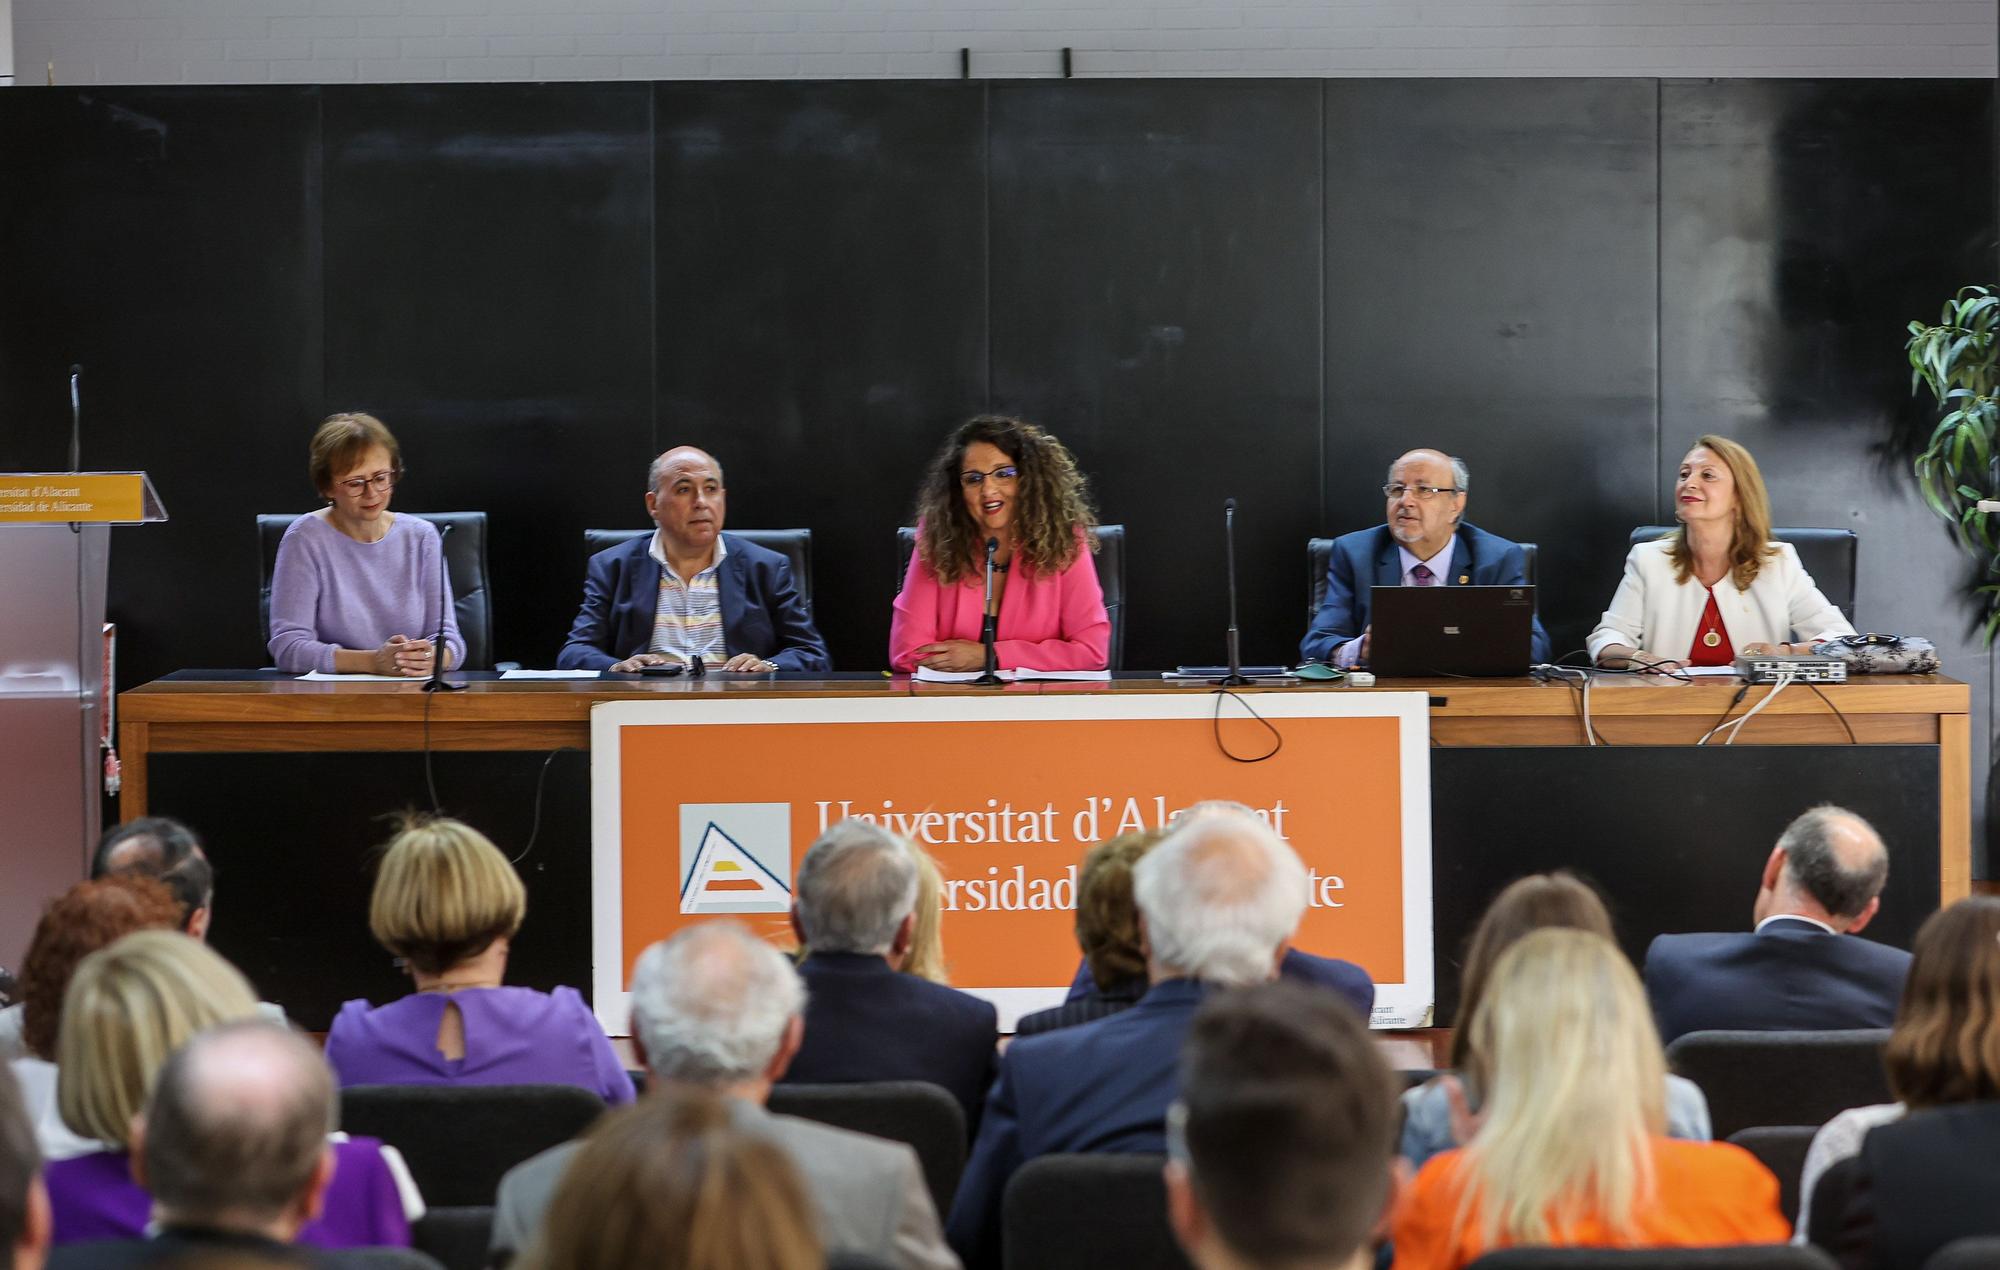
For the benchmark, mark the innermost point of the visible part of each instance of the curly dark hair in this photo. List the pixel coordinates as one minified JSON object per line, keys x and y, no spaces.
{"x":1054,"y":501}
{"x":83,"y":919}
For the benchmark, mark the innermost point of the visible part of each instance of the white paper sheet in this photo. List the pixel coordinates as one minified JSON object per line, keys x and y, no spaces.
{"x":548,"y":674}
{"x":316,"y":677}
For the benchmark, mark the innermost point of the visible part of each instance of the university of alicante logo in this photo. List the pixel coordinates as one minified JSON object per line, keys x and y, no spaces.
{"x":736,"y":857}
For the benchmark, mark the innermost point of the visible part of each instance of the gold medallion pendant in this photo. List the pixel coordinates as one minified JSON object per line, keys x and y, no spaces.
{"x":1712,"y":639}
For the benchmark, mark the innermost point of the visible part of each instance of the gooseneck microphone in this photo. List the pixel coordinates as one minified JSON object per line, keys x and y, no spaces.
{"x":75,"y":419}
{"x":1235,"y":675}
{"x":989,"y":627}
{"x":438,"y":683}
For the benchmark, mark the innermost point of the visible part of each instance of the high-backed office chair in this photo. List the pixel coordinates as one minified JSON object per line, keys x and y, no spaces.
{"x":1110,"y":576}
{"x":1319,"y":554}
{"x":464,"y":558}
{"x":1827,"y":554}
{"x":795,"y":545}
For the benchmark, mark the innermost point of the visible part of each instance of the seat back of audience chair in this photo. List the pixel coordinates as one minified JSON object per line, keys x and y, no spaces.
{"x":460,"y":1237}
{"x":1739,"y":1257}
{"x":912,"y":1111}
{"x":1782,"y":1078}
{"x":459,"y":1139}
{"x":1981,"y":1252}
{"x":1781,"y":1149}
{"x":1088,"y":1212}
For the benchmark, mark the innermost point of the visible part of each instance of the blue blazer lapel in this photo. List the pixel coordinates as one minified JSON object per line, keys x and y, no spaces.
{"x":1388,"y":562}
{"x":1464,"y":561}
{"x":730,"y":589}
{"x":639,"y":603}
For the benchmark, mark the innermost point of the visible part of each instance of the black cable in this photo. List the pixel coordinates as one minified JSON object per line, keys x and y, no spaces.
{"x":430,"y":781}
{"x":1837,"y":713}
{"x":541,"y":779}
{"x":1277,"y":738}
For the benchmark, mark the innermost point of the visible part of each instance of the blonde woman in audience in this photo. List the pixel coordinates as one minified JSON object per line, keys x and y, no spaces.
{"x":1572,"y":1148}
{"x":447,"y":904}
{"x":674,"y":1184}
{"x":926,"y":956}
{"x":128,"y":1007}
{"x":1438,"y":1114}
{"x":1945,"y":1049}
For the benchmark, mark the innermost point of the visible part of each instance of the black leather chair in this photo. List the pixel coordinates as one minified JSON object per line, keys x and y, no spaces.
{"x":1781,"y":1149}
{"x":1981,"y":1252}
{"x":1738,"y":1257}
{"x":1088,"y":1212}
{"x":1319,"y":554}
{"x":1110,"y":576}
{"x":458,"y":1237}
{"x":1782,"y":1078}
{"x":1827,"y":554}
{"x":459,"y":1139}
{"x":912,"y":1111}
{"x":795,"y":545}
{"x":464,"y":557}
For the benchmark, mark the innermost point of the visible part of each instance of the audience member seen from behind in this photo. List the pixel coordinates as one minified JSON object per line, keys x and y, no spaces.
{"x":717,"y":1012}
{"x":1107,"y":930}
{"x":1571,"y":1149}
{"x":1279,"y":1149}
{"x":1718,"y":586}
{"x":1438,"y":1114}
{"x":85,"y":918}
{"x":233,"y":1146}
{"x":1007,"y":481}
{"x":687,"y":590}
{"x":1220,"y":896}
{"x":854,"y":907}
{"x":926,"y":959}
{"x":1944,"y":1052}
{"x":1797,"y":970}
{"x":1424,"y":541}
{"x":24,"y":1201}
{"x":448,"y":904}
{"x":356,"y":588}
{"x":676,"y":1184}
{"x":167,"y":851}
{"x":129,"y":1007}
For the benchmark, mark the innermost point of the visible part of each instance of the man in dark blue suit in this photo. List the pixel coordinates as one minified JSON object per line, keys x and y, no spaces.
{"x":1803,"y":968}
{"x":1219,"y":897}
{"x":689,"y":590}
{"x":854,"y":909}
{"x":1426,"y":542}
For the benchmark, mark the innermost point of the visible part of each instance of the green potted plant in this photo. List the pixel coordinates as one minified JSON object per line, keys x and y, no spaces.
{"x":1958,"y":359}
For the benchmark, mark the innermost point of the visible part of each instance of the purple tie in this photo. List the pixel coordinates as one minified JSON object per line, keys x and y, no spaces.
{"x":1420,"y":575}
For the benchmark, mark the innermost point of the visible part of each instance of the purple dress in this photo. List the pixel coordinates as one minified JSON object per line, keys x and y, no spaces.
{"x":94,"y":1197}
{"x":513,"y":1036}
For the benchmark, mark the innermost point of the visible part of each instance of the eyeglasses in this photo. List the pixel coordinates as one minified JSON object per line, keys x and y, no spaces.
{"x":973,"y":480}
{"x":380,"y":482}
{"x":1424,"y":493}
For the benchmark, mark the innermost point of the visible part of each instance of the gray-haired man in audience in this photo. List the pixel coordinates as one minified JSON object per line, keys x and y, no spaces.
{"x":232,"y":1145}
{"x":1218,"y":898}
{"x":1279,"y":1150}
{"x":717,"y":1008}
{"x":1798,"y":970}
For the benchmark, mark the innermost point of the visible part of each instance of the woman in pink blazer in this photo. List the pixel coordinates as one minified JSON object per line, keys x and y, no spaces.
{"x":1005,"y":480}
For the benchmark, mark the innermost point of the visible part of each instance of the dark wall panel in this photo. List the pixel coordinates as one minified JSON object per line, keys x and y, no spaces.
{"x":1155,"y":252}
{"x":1490,"y":288}
{"x":1803,"y":225}
{"x":821,"y":311}
{"x":168,"y":241}
{"x":488,"y":293}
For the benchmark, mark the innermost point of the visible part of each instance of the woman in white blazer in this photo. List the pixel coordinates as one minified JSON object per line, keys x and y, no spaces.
{"x":1719,"y":587}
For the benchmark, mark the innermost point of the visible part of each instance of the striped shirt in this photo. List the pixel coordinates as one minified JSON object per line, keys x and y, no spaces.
{"x":687,"y":618}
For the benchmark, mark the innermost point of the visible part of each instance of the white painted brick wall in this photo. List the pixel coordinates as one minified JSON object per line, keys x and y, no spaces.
{"x":339,"y":41}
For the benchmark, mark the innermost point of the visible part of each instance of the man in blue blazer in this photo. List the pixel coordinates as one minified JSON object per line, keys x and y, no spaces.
{"x":1219,"y":898}
{"x":689,"y":590}
{"x":1426,"y":542}
{"x":853,"y":909}
{"x":1804,"y":967}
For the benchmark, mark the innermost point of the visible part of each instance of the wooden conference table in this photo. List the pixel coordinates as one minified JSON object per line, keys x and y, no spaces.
{"x":261,"y":712}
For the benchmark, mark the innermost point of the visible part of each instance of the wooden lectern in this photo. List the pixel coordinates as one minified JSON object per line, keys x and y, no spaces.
{"x":55,"y":547}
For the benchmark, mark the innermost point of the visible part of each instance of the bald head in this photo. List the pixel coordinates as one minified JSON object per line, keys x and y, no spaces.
{"x":675,"y":458}
{"x":1221,"y":895}
{"x":1833,"y":860}
{"x":1424,"y":523}
{"x":684,"y":496}
{"x":235,"y":1130}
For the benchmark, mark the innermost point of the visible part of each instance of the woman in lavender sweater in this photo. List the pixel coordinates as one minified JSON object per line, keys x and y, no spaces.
{"x":447,"y":904}
{"x":356,"y":588}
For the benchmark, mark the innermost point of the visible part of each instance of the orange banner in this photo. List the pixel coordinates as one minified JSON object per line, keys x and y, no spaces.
{"x":1007,"y":793}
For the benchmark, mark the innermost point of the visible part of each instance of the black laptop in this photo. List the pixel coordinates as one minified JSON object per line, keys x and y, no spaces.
{"x":1481,"y":631}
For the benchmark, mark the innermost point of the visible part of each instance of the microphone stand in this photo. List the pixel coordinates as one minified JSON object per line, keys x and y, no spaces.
{"x":989,"y":628}
{"x":437,"y":682}
{"x":75,"y":431}
{"x":1235,"y":676}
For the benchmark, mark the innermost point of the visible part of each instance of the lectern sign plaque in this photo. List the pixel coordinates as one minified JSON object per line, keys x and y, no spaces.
{"x":54,"y":498}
